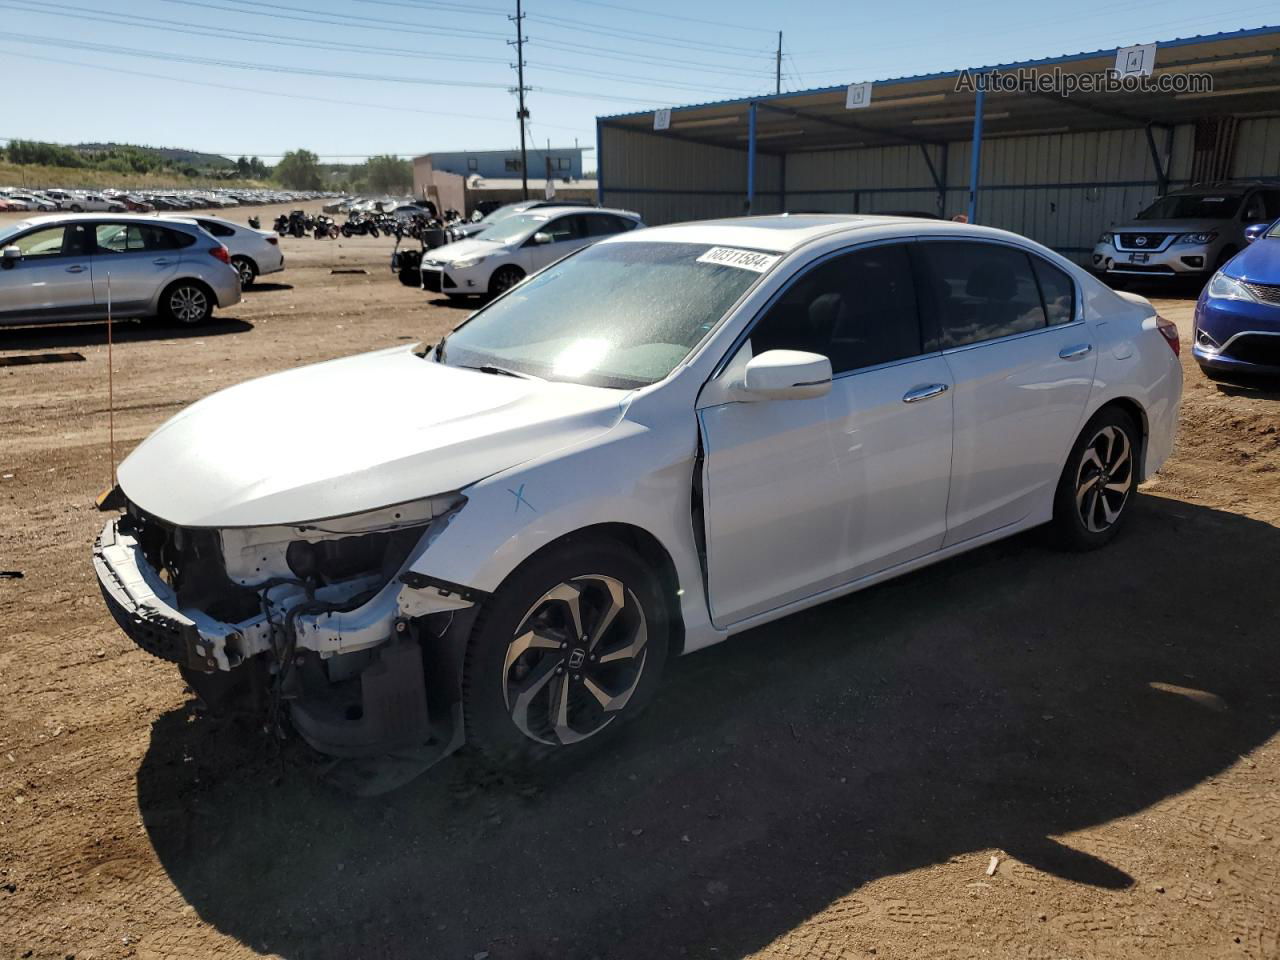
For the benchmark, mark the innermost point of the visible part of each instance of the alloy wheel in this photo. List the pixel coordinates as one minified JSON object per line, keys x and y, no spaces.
{"x":504,"y":281}
{"x":188,"y":304}
{"x":1104,"y":478}
{"x":246,"y":273}
{"x":575,"y":660}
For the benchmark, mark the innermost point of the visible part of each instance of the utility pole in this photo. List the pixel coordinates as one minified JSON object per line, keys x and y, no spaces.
{"x":777,"y":67}
{"x":520,"y":90}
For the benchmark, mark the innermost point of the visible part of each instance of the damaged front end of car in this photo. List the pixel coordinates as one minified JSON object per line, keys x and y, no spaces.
{"x":321,"y":621}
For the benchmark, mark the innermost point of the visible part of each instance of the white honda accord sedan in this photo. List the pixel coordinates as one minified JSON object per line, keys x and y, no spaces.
{"x":657,"y":442}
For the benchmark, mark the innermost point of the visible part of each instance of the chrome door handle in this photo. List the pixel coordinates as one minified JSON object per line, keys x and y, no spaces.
{"x":916,"y":394}
{"x":75,"y":269}
{"x":1076,"y":352}
{"x":161,"y":262}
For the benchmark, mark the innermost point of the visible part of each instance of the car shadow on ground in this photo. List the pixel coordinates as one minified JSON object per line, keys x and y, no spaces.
{"x":125,"y":331}
{"x":468,"y":304}
{"x":1257,"y":388}
{"x":258,"y":286}
{"x":999,"y":700}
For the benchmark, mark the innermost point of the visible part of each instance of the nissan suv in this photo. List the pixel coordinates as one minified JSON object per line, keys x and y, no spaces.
{"x":1188,"y":233}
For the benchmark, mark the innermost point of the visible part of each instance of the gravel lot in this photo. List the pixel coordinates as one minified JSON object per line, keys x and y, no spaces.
{"x":831,"y":786}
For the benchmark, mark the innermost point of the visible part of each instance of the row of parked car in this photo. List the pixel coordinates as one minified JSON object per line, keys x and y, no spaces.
{"x":120,"y":201}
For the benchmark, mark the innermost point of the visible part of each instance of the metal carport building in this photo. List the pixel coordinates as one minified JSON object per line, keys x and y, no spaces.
{"x":1057,"y":169}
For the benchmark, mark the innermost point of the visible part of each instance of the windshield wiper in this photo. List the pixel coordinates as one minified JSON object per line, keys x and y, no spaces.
{"x":501,"y":371}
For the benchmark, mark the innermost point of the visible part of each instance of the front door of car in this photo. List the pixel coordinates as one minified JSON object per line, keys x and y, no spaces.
{"x":565,"y":234}
{"x":52,"y":278}
{"x":131,"y":262}
{"x":1022,"y":359}
{"x":804,"y":495}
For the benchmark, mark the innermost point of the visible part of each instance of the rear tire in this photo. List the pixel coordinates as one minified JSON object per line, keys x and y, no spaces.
{"x":186,"y":303}
{"x":1098,"y":482}
{"x":248,"y":272}
{"x":540,"y":681}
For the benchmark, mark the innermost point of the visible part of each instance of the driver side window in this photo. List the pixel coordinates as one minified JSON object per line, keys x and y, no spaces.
{"x":563,"y":228}
{"x":858,"y":309}
{"x":41,"y":243}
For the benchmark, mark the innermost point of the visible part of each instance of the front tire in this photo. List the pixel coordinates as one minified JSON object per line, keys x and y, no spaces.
{"x":569,"y":650}
{"x":503,"y":279}
{"x":186,"y":303}
{"x":1098,"y":482}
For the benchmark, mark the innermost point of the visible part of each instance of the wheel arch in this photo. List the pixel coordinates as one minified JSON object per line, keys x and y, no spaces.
{"x":177,"y":281}
{"x":1138,"y":414}
{"x":248,"y":259}
{"x":648,"y":548}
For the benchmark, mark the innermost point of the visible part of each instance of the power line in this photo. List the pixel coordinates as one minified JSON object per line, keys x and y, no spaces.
{"x":265,"y":93}
{"x":609,"y":53}
{"x":224,"y":33}
{"x":673,"y":16}
{"x":638,"y":36}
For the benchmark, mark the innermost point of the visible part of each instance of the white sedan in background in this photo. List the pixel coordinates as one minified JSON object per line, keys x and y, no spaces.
{"x":660,"y":441}
{"x":253,"y":252}
{"x":511,"y":249}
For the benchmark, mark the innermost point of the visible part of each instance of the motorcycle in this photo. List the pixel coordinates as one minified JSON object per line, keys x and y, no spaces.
{"x":325,"y":228}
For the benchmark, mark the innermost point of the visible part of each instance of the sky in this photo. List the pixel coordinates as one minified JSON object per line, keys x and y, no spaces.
{"x":352,"y":78}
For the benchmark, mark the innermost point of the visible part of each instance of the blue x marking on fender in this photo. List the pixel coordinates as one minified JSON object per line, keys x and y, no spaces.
{"x":519,"y":495}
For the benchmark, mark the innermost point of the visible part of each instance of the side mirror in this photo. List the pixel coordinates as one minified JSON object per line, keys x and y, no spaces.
{"x":10,"y":256}
{"x":1255,"y":230}
{"x":541,"y":237}
{"x":787,"y":375}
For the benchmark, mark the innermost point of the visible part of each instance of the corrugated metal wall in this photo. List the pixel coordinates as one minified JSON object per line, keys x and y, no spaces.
{"x":1257,"y":148}
{"x":665,"y":180}
{"x":1062,"y":189}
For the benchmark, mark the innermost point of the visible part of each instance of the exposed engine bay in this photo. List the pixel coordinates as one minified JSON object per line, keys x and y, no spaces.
{"x":321,"y":622}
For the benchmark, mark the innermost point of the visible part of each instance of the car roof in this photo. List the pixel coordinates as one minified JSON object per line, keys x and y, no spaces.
{"x":780,"y":233}
{"x":784,"y":233}
{"x":51,"y":219}
{"x":551,"y":210}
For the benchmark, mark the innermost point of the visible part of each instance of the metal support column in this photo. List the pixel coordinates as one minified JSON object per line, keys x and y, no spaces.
{"x":599,"y":165}
{"x":782,"y":183}
{"x":975,"y":156}
{"x":751,"y":157}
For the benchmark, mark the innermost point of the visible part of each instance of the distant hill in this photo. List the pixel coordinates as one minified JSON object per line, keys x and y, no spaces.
{"x":173,"y":155}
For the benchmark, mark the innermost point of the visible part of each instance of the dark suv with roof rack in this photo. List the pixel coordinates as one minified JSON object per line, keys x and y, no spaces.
{"x":1187,"y":233}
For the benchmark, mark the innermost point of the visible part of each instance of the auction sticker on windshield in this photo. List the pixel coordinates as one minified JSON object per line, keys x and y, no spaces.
{"x":743,"y":259}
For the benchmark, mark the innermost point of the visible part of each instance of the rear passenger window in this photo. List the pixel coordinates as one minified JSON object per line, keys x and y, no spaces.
{"x":858,"y":309}
{"x":605,"y":224}
{"x":1057,"y":290}
{"x":217,"y":229}
{"x":979,"y":291}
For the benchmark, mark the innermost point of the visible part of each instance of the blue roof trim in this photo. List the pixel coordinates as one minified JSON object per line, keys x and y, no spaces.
{"x":1047,"y":61}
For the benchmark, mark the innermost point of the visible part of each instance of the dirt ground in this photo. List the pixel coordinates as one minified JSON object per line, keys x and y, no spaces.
{"x":831,"y":786}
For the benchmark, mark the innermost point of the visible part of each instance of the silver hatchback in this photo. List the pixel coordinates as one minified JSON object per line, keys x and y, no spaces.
{"x":70,"y":267}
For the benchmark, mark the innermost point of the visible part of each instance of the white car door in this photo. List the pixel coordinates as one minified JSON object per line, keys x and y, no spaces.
{"x":1022,"y":360}
{"x":566,"y":234}
{"x":801,"y":496}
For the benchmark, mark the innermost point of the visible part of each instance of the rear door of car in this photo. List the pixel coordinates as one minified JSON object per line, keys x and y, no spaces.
{"x":52,"y":279}
{"x":1011,"y":329}
{"x":132,"y":261}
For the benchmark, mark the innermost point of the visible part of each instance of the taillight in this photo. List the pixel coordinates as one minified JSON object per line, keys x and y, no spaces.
{"x":221,"y":253}
{"x":1170,"y":334}
{"x":274,"y":241}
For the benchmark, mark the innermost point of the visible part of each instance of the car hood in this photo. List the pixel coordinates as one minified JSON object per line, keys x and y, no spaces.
{"x":1169,"y":226}
{"x":352,"y":435}
{"x":1259,"y":262}
{"x":462,"y":249}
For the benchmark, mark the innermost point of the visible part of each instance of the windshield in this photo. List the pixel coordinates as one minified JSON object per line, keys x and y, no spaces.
{"x":504,"y":211}
{"x":513,"y":228}
{"x":615,"y":315}
{"x":1207,"y":206}
{"x":11,"y":231}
